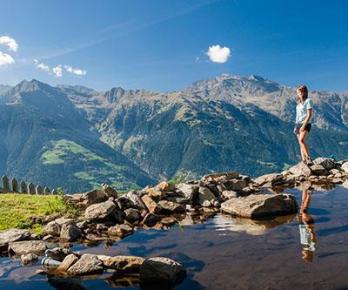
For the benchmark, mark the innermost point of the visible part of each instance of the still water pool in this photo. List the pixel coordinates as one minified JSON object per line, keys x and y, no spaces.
{"x":308,"y":251}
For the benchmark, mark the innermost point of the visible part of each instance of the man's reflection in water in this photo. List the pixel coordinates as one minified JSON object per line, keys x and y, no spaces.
{"x":307,"y":234}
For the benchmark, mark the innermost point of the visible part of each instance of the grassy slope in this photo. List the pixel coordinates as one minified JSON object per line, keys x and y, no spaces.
{"x":18,"y":210}
{"x":96,"y":168}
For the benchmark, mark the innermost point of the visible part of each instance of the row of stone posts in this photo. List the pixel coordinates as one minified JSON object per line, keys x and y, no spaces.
{"x":14,"y":186}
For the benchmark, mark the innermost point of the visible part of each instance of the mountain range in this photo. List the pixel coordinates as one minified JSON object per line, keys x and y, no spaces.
{"x":76,"y":137}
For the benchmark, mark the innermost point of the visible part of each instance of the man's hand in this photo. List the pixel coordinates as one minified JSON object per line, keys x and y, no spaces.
{"x":302,"y":129}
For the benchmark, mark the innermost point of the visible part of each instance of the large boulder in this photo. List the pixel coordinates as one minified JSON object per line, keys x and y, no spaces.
{"x":269,"y":180}
{"x":327,"y":163}
{"x":124,"y":264}
{"x":70,"y":232}
{"x":260,"y":205}
{"x":161,"y":270}
{"x":94,"y":196}
{"x":344,"y":167}
{"x":86,"y":265}
{"x":136,"y":200}
{"x":132,"y":215}
{"x":318,"y":169}
{"x":150,"y":204}
{"x":13,"y":235}
{"x":52,"y":228}
{"x":300,"y":169}
{"x":189,"y":191}
{"x":68,"y":261}
{"x":100,"y":211}
{"x":204,"y":193}
{"x":27,"y":247}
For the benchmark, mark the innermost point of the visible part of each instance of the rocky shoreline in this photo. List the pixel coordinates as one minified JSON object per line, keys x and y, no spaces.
{"x":107,"y":216}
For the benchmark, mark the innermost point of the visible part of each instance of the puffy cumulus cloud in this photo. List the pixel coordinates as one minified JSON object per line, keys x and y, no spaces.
{"x":5,"y":59}
{"x":218,"y":54}
{"x":58,"y":71}
{"x":9,"y":42}
{"x":76,"y":71}
{"x":42,"y":66}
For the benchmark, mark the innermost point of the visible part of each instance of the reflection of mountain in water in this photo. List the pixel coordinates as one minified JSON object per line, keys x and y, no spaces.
{"x":251,"y":227}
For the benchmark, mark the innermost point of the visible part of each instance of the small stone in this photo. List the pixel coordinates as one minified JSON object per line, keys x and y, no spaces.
{"x":28,"y":258}
{"x":120,"y":230}
{"x":57,"y":253}
{"x":206,"y":203}
{"x":227,"y":194}
{"x":110,"y":191}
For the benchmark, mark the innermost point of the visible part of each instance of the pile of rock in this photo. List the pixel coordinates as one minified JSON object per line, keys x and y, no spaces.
{"x":62,"y":262}
{"x":323,"y":170}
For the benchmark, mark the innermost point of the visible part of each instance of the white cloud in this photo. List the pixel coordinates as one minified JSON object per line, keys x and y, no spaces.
{"x":76,"y":71}
{"x":218,"y":54}
{"x":58,"y":71}
{"x":42,"y":66}
{"x":5,"y":59}
{"x":9,"y":42}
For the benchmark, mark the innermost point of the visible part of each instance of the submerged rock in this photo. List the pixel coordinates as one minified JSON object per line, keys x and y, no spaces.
{"x":160,"y":269}
{"x":260,"y":205}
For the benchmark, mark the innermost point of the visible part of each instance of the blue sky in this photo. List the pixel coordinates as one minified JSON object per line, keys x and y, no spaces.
{"x":163,"y":45}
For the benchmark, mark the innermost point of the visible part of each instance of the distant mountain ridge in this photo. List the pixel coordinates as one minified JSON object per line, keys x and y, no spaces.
{"x":133,"y":137}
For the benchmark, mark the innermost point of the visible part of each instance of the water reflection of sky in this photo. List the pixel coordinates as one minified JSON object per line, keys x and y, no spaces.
{"x":228,"y":253}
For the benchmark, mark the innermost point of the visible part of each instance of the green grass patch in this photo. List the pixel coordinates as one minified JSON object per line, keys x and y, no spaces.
{"x":18,"y":210}
{"x":60,"y":150}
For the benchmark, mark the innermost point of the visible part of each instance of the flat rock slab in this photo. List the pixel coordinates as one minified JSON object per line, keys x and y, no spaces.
{"x":13,"y":235}
{"x":88,"y":264}
{"x":27,"y":247}
{"x":261,"y":205}
{"x":124,"y":264}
